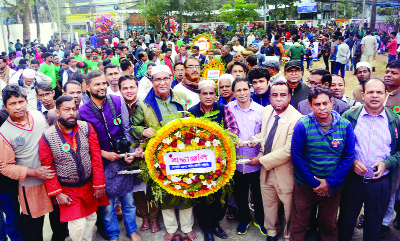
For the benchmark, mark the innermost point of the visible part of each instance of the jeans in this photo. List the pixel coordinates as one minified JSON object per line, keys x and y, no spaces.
{"x":339,"y":67}
{"x":10,"y":206}
{"x":309,"y":62}
{"x":350,"y":63}
{"x":391,"y":58}
{"x":110,"y":216}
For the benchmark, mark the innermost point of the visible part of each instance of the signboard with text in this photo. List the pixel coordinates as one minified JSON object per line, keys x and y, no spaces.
{"x":197,"y":161}
{"x":307,"y":8}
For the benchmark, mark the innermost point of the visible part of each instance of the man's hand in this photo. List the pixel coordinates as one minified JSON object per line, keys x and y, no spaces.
{"x":381,"y":168}
{"x":109,"y":155}
{"x":359,"y":167}
{"x":63,"y":199}
{"x":2,"y":165}
{"x":129,"y":157}
{"x":99,"y":193}
{"x":239,"y":144}
{"x":252,"y":144}
{"x":139,"y":152}
{"x":148,"y":132}
{"x":44,"y":173}
{"x":323,"y":188}
{"x":255,"y":161}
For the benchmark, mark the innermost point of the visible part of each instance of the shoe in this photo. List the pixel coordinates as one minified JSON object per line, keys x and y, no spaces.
{"x":360,"y":221}
{"x":208,"y":237}
{"x":242,"y":228}
{"x":220,"y":233}
{"x":102,"y":232}
{"x":262,"y":229}
{"x":272,"y":238}
{"x":384,"y":231}
{"x":396,"y":222}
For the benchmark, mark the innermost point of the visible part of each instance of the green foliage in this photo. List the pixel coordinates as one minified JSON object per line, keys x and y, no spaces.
{"x":155,"y":10}
{"x":290,"y":11}
{"x":239,"y":12}
{"x":351,"y":11}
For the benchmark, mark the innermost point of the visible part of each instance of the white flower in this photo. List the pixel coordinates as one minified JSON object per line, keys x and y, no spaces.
{"x":213,"y":183}
{"x":178,"y":134}
{"x":166,"y":182}
{"x":189,"y":181}
{"x":197,"y":139}
{"x":207,"y":144}
{"x":156,"y":165}
{"x":205,"y":183}
{"x":184,"y":192}
{"x":181,"y":146}
{"x":166,"y":141}
{"x":209,"y":186}
{"x":216,"y":142}
{"x":194,"y":177}
{"x":223,"y":162}
{"x":176,"y":179}
{"x":178,"y":187}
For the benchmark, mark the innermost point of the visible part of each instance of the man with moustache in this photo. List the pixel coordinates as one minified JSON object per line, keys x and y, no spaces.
{"x":225,"y":88}
{"x":112,"y":74}
{"x":110,"y":119}
{"x":74,"y":89}
{"x":71,"y":148}
{"x":276,"y":177}
{"x":363,"y":73}
{"x":179,"y":73}
{"x":190,"y":83}
{"x":259,"y":78}
{"x":293,"y":75}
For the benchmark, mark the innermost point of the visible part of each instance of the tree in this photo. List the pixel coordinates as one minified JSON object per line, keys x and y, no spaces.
{"x":22,"y":8}
{"x":239,"y":12}
{"x":284,"y":9}
{"x":373,"y":15}
{"x":35,"y":12}
{"x":154,"y":12}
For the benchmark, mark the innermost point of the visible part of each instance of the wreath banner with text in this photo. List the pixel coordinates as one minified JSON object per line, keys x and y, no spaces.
{"x":191,"y":157}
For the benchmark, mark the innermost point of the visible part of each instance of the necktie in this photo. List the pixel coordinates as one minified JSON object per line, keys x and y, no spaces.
{"x":271,"y":135}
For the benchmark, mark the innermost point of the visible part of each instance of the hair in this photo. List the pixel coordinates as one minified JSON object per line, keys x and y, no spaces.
{"x":33,"y":61}
{"x":12,"y":90}
{"x":168,"y":49}
{"x":43,"y":86}
{"x":368,"y":32}
{"x":60,"y":100}
{"x":125,"y":64}
{"x":79,"y":77}
{"x":393,"y":33}
{"x":395,"y":64}
{"x":130,"y":57}
{"x":106,"y":62}
{"x":88,"y":48}
{"x":71,"y":82}
{"x":74,"y":45}
{"x":252,"y":60}
{"x":151,"y":55}
{"x":178,"y":63}
{"x":127,"y":77}
{"x":95,"y":51}
{"x":141,"y":55}
{"x":93,"y":74}
{"x":318,"y":90}
{"x":110,"y":66}
{"x":341,"y":38}
{"x":334,"y":37}
{"x":45,"y":55}
{"x":183,"y":46}
{"x":151,"y":64}
{"x":280,"y":82}
{"x":238,"y":63}
{"x":327,"y":79}
{"x":237,"y":80}
{"x":190,"y":58}
{"x":65,"y":61}
{"x":257,"y":73}
{"x":363,"y":86}
{"x":109,"y":51}
{"x":196,"y":48}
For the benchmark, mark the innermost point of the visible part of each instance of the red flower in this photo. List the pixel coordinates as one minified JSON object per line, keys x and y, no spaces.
{"x":218,"y":159}
{"x":212,"y":137}
{"x":210,"y":177}
{"x":191,"y":194}
{"x":161,"y":176}
{"x":189,"y":136}
{"x":196,"y":179}
{"x":191,"y":130}
{"x":204,"y":187}
{"x":174,"y":144}
{"x":218,"y":172}
{"x":162,"y":166}
{"x":170,"y":156}
{"x":187,"y":142}
{"x":202,"y":142}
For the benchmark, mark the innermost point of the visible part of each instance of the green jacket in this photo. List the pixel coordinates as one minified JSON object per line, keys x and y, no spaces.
{"x":393,"y":161}
{"x":296,"y":52}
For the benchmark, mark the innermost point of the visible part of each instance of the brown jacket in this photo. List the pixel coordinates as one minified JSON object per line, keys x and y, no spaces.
{"x":278,"y":160}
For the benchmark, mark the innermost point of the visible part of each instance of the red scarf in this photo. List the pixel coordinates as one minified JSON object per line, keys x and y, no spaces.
{"x":168,"y":63}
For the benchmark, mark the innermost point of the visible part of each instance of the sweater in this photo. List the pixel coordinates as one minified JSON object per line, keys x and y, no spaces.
{"x":328,"y":155}
{"x":296,"y":52}
{"x":343,"y":53}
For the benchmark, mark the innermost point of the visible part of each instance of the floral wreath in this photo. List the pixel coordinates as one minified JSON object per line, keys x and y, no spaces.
{"x":189,"y":134}
{"x":214,"y":65}
{"x":202,"y":39}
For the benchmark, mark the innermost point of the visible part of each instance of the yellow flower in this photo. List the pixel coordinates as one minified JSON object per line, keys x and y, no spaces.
{"x":191,"y":175}
{"x":201,"y":177}
{"x":184,"y":179}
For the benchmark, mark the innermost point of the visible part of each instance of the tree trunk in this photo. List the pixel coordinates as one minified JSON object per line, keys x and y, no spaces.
{"x":25,"y":20}
{"x":373,"y":16}
{"x":8,"y":29}
{"x":36,"y":15}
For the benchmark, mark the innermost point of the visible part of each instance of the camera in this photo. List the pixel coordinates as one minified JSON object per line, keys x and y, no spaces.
{"x":122,"y":145}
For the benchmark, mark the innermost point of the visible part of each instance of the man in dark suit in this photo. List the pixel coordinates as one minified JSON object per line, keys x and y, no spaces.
{"x":196,"y":53}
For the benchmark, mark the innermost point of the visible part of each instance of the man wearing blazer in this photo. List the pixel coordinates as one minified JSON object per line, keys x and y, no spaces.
{"x":276,"y":177}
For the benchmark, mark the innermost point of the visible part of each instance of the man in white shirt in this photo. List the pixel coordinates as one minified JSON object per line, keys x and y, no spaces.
{"x":238,"y":47}
{"x":342,"y":56}
{"x":190,"y":83}
{"x":250,"y":38}
{"x":112,"y":75}
{"x":368,"y":48}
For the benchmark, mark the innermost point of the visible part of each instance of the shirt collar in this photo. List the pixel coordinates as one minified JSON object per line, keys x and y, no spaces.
{"x":251,"y":106}
{"x":202,"y":110}
{"x":47,"y":63}
{"x":382,"y":114}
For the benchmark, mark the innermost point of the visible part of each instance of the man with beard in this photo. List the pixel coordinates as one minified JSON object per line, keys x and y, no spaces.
{"x":112,"y":74}
{"x":71,"y":148}
{"x":110,"y":119}
{"x":48,"y":68}
{"x":259,"y":78}
{"x":363,"y":70}
{"x":76,"y":51}
{"x":260,"y":57}
{"x":276,"y":177}
{"x":210,"y":214}
{"x":183,"y":55}
{"x":190,"y":83}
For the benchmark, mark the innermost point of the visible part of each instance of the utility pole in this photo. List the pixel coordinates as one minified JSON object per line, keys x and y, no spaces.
{"x":363,"y":18}
{"x":4,"y":37}
{"x":265,"y":15}
{"x":59,"y":25}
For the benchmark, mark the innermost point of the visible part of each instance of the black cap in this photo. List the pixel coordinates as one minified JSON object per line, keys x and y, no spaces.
{"x":293,"y":64}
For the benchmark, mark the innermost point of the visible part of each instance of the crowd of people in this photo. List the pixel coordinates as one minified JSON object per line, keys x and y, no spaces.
{"x":71,"y":112}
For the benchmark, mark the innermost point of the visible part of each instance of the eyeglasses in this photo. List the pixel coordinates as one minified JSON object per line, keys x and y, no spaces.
{"x":194,"y":67}
{"x":159,"y":80}
{"x":179,"y":70}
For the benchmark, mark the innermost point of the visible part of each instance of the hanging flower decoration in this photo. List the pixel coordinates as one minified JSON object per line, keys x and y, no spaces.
{"x":184,"y":136}
{"x":173,"y":25}
{"x":204,"y":44}
{"x":105,"y":23}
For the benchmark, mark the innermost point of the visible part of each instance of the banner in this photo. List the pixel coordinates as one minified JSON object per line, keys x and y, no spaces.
{"x":197,"y":161}
{"x":307,"y":8}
